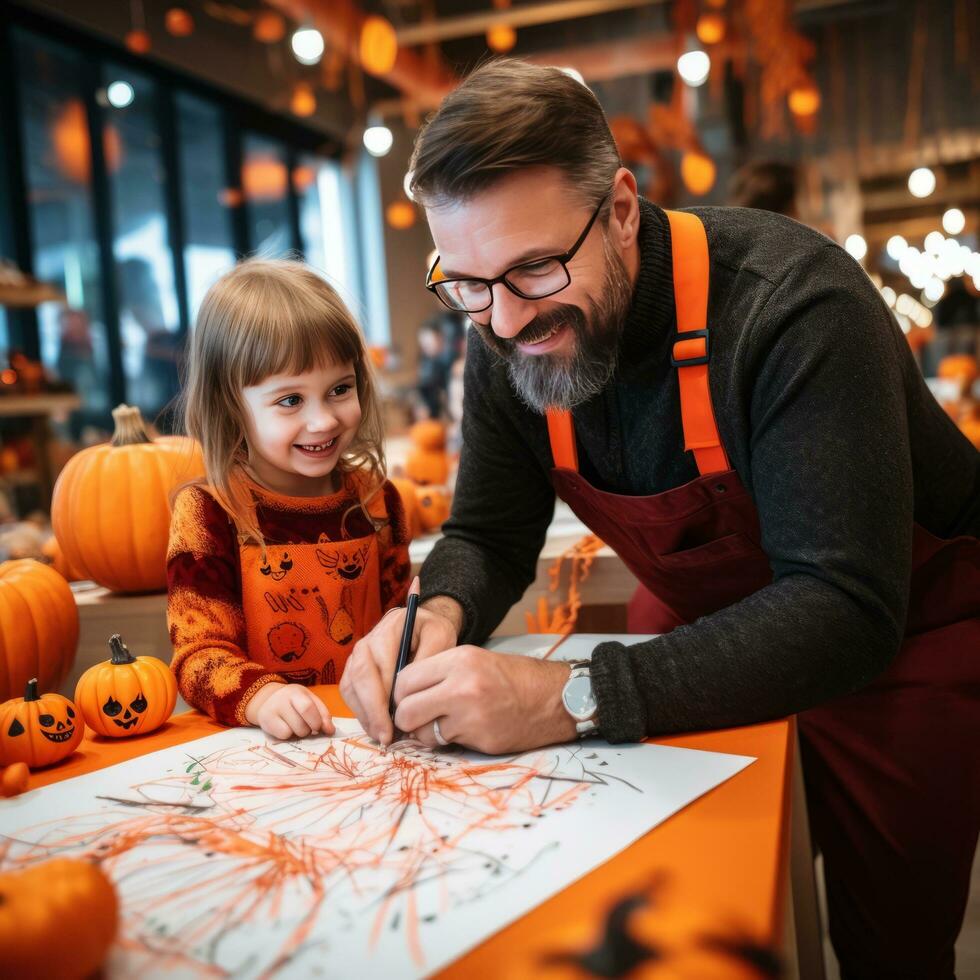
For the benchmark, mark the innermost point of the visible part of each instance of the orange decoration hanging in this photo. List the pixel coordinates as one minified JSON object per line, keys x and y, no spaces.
{"x":138,"y":42}
{"x":303,"y":101}
{"x":303,"y":178}
{"x":400,"y":215}
{"x":710,"y":28}
{"x":269,"y":27}
{"x":179,"y":22}
{"x":501,"y":38}
{"x":698,"y":172}
{"x":804,"y":100}
{"x":72,"y":149}
{"x":264,"y":178}
{"x":378,"y":47}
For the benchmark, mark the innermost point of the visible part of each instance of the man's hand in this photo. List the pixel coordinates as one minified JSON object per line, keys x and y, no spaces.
{"x":284,"y":710}
{"x":491,"y":702}
{"x":366,"y":681}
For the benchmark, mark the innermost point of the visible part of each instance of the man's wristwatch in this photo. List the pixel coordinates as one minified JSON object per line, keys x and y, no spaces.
{"x":577,"y":697}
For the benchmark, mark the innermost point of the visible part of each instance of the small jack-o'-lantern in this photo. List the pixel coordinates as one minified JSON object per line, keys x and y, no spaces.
{"x":126,"y":695}
{"x":433,"y":506}
{"x":58,"y":918}
{"x":39,"y":729}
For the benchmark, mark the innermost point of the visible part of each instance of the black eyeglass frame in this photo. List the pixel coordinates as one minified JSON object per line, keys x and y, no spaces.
{"x":563,"y":259}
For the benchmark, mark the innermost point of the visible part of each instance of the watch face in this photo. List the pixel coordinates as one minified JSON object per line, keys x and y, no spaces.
{"x":578,"y":698}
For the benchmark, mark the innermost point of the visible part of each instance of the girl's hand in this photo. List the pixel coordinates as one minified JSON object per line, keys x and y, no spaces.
{"x":285,"y":710}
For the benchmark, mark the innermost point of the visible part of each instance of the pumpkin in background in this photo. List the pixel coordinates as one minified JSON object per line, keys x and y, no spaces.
{"x":52,"y":550}
{"x":58,"y":918}
{"x":433,"y":506}
{"x":406,"y":490}
{"x":126,"y":695}
{"x":427,"y":460}
{"x":15,"y":779}
{"x":39,"y":729}
{"x":38,"y":626}
{"x":111,"y":505}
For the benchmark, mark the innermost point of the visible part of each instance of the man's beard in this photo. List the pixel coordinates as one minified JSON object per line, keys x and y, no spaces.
{"x":562,"y":381}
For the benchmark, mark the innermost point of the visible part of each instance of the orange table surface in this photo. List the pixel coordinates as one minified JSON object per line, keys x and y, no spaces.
{"x":718,"y":865}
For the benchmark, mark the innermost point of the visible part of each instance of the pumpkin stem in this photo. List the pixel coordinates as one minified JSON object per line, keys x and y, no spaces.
{"x":130,"y":427}
{"x":30,"y":694}
{"x":119,"y":650}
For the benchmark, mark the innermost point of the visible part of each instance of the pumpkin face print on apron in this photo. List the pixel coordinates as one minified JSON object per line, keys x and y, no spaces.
{"x":306,"y":604}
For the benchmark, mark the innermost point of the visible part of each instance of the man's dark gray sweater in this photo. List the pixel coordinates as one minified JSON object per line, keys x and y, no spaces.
{"x":827,"y":422}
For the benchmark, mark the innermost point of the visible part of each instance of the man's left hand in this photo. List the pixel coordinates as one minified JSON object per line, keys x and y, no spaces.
{"x":492,"y":702}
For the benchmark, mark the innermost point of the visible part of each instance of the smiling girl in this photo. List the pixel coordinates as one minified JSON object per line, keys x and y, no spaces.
{"x":296,"y":544}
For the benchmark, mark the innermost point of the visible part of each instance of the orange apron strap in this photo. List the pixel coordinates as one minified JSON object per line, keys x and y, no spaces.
{"x":691,"y":351}
{"x":561,"y":432}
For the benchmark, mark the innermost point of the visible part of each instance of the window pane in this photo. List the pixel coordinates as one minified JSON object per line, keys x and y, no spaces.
{"x":209,"y":247}
{"x":57,"y":165}
{"x":148,"y":320}
{"x":265,"y":183}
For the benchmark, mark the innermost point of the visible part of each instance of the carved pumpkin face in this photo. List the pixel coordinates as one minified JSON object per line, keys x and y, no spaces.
{"x":433,"y":504}
{"x":38,"y":729}
{"x":126,"y":695}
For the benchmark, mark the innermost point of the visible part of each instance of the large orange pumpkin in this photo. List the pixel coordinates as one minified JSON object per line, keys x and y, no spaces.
{"x":39,"y":729}
{"x":126,"y":695}
{"x":58,"y":918}
{"x":38,"y":626}
{"x":111,"y":506}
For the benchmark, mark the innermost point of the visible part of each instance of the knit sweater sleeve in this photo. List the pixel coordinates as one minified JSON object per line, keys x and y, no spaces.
{"x":204,"y":611}
{"x":393,"y":539}
{"x":502,"y":506}
{"x":828,"y":465}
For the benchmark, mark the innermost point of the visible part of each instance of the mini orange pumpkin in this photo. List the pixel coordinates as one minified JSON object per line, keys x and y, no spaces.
{"x":111,"y":505}
{"x":406,"y":490}
{"x":433,"y":506}
{"x":63,"y":913}
{"x":15,"y":779}
{"x":39,"y":729}
{"x":126,"y":695}
{"x":38,"y":626}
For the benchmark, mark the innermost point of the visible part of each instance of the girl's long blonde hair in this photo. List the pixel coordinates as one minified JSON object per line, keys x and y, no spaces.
{"x":266,"y":317}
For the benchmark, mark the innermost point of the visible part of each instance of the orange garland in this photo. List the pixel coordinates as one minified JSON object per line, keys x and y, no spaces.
{"x":562,"y":618}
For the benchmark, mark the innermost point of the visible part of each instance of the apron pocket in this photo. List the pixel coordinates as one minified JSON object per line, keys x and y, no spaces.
{"x":727,"y":548}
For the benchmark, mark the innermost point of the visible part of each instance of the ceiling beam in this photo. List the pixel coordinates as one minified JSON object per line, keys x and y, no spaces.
{"x":470,"y":25}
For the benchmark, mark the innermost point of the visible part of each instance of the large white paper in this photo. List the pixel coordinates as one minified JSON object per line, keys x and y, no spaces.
{"x":235,"y":854}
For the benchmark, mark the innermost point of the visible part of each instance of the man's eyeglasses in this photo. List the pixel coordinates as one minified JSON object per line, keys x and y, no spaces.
{"x":536,"y":279}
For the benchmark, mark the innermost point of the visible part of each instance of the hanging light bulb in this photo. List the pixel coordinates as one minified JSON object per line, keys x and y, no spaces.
{"x":922,"y":182}
{"x":307,"y":44}
{"x":378,"y":140}
{"x":694,"y":67}
{"x":896,"y":247}
{"x":954,"y":221}
{"x":120,"y":94}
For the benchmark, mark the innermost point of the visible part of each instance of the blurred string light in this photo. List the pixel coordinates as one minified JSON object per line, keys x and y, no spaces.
{"x":694,"y":67}
{"x":954,"y":221}
{"x":856,"y":246}
{"x":307,"y":44}
{"x":896,"y":247}
{"x":378,"y":140}
{"x":922,"y":182}
{"x":120,"y":94}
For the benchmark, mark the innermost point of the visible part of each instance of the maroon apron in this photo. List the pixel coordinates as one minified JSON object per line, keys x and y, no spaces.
{"x":893,"y":770}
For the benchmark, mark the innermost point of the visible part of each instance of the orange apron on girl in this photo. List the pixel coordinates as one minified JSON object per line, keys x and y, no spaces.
{"x":305,"y":605}
{"x":893,"y":770}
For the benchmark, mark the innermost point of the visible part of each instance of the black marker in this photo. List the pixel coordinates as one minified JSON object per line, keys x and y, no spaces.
{"x":405,"y":649}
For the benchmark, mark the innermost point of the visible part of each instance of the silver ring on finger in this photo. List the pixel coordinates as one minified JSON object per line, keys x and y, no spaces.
{"x":438,"y":733}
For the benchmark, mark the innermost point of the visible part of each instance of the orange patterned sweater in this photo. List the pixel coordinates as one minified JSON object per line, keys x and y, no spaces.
{"x":240,"y":618}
